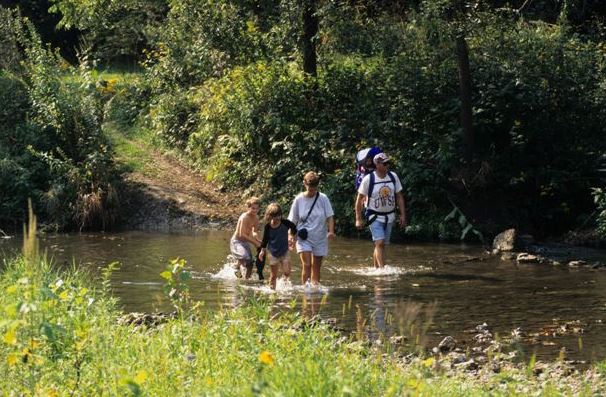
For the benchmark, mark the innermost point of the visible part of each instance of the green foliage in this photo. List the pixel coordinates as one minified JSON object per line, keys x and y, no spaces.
{"x":599,"y":198}
{"x":176,"y":287}
{"x":128,"y":99}
{"x":465,"y":225}
{"x":114,"y":29}
{"x":173,"y":117}
{"x":59,"y":336}
{"x":202,"y":39}
{"x":531,"y":83}
{"x":53,"y":148}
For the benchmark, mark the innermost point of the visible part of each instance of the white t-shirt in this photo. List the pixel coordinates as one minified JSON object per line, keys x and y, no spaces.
{"x":382,"y":198}
{"x":316,"y":222}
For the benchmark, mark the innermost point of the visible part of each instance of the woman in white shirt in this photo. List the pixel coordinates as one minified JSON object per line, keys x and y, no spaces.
{"x":312,"y":212}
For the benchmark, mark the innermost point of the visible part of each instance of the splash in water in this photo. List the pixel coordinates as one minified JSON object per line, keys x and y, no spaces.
{"x":312,"y":289}
{"x":229,"y":272}
{"x":284,"y":285}
{"x":387,"y":270}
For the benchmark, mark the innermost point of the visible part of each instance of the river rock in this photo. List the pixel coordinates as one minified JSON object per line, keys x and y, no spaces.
{"x":505,"y":241}
{"x":149,"y":320}
{"x":448,"y":344}
{"x":577,"y":263}
{"x":397,"y":340}
{"x":524,"y":257}
{"x":470,"y":365}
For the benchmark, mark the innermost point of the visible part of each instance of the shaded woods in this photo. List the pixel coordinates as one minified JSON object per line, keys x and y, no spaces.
{"x":495,"y":111}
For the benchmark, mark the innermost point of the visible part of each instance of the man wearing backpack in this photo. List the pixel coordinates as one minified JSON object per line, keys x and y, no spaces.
{"x":379,"y":193}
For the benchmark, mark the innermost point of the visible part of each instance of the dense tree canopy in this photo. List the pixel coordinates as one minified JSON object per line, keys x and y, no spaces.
{"x":494,"y":109}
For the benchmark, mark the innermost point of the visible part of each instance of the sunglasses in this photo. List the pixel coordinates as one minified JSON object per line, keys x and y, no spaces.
{"x":312,"y":184}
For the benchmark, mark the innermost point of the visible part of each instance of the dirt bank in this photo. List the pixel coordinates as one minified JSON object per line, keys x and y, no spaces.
{"x":169,"y":196}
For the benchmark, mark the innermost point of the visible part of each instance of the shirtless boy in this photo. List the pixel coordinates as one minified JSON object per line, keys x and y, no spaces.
{"x":246,"y":232}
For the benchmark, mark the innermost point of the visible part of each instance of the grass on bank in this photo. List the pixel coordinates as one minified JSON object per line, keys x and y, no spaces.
{"x":133,"y":151}
{"x":60,"y":336}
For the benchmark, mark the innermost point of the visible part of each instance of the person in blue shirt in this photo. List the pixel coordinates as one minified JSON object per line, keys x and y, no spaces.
{"x":278,"y":238}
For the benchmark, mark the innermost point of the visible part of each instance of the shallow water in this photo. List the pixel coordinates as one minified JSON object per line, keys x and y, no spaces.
{"x":466,"y":292}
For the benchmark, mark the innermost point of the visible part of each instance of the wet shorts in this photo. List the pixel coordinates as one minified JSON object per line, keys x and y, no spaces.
{"x":240,"y":250}
{"x":284,"y":259}
{"x":320,"y":249}
{"x":381,"y":231}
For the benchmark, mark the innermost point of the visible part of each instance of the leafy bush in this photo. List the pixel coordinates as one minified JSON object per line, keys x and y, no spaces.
{"x":58,"y":153}
{"x":599,"y":198}
{"x":128,"y":102}
{"x":265,"y":124}
{"x":173,"y":117}
{"x":203,"y":39}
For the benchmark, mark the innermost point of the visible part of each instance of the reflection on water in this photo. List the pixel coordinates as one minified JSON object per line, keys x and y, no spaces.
{"x":400,"y":297}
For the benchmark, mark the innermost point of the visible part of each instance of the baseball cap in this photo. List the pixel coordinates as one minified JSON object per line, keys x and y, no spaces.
{"x":380,"y":158}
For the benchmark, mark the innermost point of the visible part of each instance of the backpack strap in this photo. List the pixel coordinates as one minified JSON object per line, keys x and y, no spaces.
{"x":371,"y":184}
{"x":371,"y":215}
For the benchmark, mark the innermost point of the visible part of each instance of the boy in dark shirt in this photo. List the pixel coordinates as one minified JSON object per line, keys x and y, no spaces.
{"x":278,"y":241}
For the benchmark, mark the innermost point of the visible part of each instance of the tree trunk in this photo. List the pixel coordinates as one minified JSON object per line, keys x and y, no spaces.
{"x":310,"y":30}
{"x":465,"y":96}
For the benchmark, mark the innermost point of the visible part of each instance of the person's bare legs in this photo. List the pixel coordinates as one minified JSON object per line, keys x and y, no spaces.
{"x":249,"y":267}
{"x":305,"y":266}
{"x":286,"y":268}
{"x":273,"y":275}
{"x":378,"y":255}
{"x":238,"y":267}
{"x":316,"y":263}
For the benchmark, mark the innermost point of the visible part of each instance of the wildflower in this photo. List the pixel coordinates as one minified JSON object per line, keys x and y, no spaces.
{"x":266,"y":358}
{"x":10,"y":337}
{"x":12,"y":359}
{"x":141,"y":377}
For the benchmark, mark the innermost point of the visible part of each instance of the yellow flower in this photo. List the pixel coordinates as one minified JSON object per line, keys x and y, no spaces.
{"x":141,"y":377}
{"x":266,"y":358}
{"x":10,"y":337}
{"x":429,"y":361}
{"x":12,"y":359}
{"x":64,"y":296}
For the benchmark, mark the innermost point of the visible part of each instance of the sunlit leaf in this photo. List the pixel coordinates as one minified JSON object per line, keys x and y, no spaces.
{"x":11,"y":310}
{"x":166,"y":275}
{"x":64,"y":296}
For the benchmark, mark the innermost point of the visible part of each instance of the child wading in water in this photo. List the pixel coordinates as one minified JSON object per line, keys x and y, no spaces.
{"x":246,"y":232}
{"x":277,"y":240}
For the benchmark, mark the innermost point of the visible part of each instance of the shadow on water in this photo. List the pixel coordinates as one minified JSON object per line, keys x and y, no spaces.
{"x":463,"y":291}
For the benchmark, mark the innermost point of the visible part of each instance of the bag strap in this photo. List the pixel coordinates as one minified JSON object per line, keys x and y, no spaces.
{"x":311,"y":208}
{"x":371,"y":185}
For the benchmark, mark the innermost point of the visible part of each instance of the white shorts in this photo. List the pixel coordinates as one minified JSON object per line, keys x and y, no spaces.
{"x":320,"y":249}
{"x":240,"y":250}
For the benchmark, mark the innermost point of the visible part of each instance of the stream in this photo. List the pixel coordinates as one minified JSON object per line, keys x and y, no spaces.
{"x":444,"y":289}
